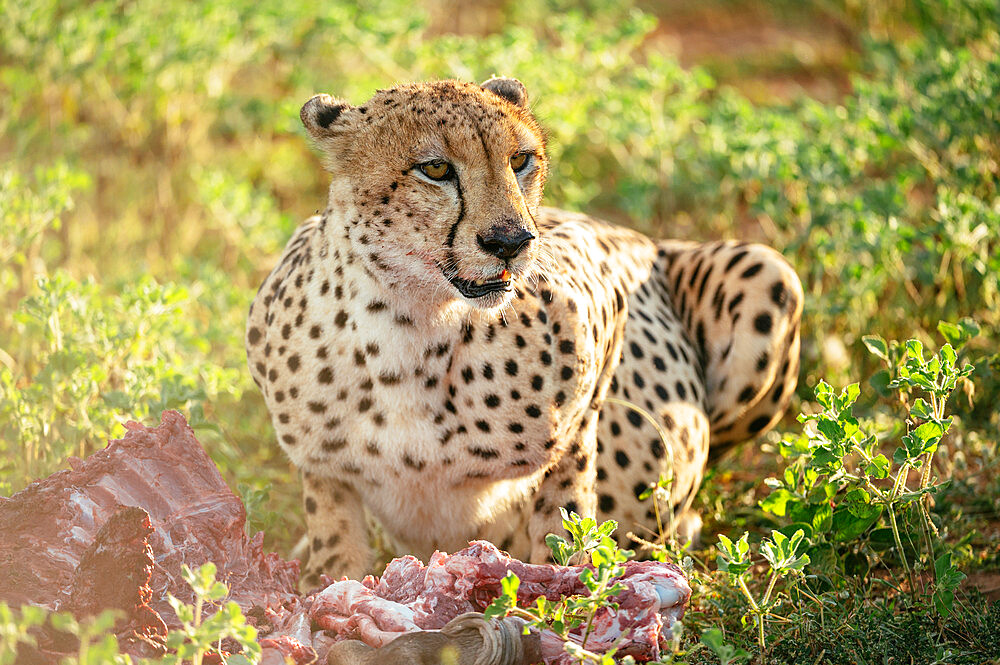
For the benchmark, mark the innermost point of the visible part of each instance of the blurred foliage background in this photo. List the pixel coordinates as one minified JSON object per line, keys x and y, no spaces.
{"x":152,"y":166}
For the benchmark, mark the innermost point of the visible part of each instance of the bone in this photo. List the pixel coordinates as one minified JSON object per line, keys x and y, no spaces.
{"x":468,"y":639}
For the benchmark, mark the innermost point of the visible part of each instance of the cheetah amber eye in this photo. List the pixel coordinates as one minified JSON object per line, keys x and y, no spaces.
{"x":519,"y":161}
{"x":437,"y":170}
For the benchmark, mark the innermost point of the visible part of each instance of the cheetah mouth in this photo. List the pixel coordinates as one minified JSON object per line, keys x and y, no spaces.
{"x":479,"y":288}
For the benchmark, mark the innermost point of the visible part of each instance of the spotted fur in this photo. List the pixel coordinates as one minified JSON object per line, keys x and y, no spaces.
{"x":451,"y":417}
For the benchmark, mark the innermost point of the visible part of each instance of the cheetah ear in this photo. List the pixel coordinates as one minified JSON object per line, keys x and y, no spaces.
{"x":510,"y":89}
{"x":324,"y":117}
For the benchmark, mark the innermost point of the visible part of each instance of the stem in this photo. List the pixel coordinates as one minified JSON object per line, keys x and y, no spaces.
{"x":899,"y":548}
{"x":199,"y":654}
{"x":746,"y":592}
{"x":755,"y":610}
{"x":770,"y":588}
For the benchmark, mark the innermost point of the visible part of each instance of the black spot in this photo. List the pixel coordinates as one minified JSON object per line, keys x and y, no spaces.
{"x":537,"y":382}
{"x":571,"y":507}
{"x":533,"y":411}
{"x":364,"y":404}
{"x":560,"y":398}
{"x":317,"y":407}
{"x":602,"y":474}
{"x":253,"y":336}
{"x":310,"y":505}
{"x":510,"y":367}
{"x":635,"y":419}
{"x":656,"y":447}
{"x":567,"y":346}
{"x":467,"y":375}
{"x":485,"y":453}
{"x":616,"y":429}
{"x":492,"y":401}
{"x":483,"y":425}
{"x":762,"y":361}
{"x":763,"y":323}
{"x":566,"y":373}
{"x":314,"y":332}
{"x":606,"y":503}
{"x":545,"y":357}
{"x":516,"y":428}
{"x":759,"y":423}
{"x":751,"y":271}
{"x":639,"y":489}
{"x":640,"y":382}
{"x":340,"y":319}
{"x":661,"y":392}
{"x":412,"y":463}
{"x":293,"y":362}
{"x":778,"y":294}
{"x":333,"y":445}
{"x":488,"y":372}
{"x":636,"y":350}
{"x":519,"y":341}
{"x":736,"y":259}
{"x":621,"y":458}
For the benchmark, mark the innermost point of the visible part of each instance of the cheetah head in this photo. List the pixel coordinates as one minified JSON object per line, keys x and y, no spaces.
{"x":442,"y":180}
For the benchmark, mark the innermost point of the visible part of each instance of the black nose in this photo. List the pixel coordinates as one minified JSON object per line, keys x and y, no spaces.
{"x":505,"y":243}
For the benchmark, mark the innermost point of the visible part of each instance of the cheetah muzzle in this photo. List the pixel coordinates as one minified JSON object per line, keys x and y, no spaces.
{"x":436,"y":349}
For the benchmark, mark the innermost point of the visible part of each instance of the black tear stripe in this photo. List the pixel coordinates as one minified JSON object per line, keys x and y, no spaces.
{"x":450,"y":242}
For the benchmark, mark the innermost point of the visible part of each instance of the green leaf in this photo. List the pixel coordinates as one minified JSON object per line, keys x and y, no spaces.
{"x":727,"y":654}
{"x":877,"y":346}
{"x":848,"y":527}
{"x":915,"y":349}
{"x":880,"y":381}
{"x":947,"y":578}
{"x":878,"y":467}
{"x":824,"y":394}
{"x":777,"y":501}
{"x":958,"y":334}
{"x":921,"y":409}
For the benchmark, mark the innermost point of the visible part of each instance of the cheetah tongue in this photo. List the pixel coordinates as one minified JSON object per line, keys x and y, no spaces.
{"x":479,"y":288}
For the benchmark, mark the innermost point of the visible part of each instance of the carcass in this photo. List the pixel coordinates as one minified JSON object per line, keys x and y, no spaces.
{"x":114,"y":530}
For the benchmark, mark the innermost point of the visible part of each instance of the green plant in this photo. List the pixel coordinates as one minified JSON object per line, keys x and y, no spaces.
{"x":198,"y":636}
{"x":781,"y":555}
{"x":589,"y":542}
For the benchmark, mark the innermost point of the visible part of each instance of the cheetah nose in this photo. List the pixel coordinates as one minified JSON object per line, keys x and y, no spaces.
{"x":504,"y":243}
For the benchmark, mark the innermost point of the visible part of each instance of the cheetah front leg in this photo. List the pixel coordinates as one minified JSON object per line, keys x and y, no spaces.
{"x":336,"y":528}
{"x":570,"y":484}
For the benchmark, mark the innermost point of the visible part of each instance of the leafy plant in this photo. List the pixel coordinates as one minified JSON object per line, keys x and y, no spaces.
{"x":199,"y":637}
{"x":781,"y":555}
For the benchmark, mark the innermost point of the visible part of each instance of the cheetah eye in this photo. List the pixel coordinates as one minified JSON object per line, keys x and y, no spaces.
{"x":437,"y":170}
{"x":520,"y":161}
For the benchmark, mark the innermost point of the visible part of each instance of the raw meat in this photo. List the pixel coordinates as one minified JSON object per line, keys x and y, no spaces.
{"x":411,"y":597}
{"x":113,"y":531}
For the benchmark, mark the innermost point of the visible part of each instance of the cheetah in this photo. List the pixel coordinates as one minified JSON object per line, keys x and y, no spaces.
{"x":440,"y":352}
